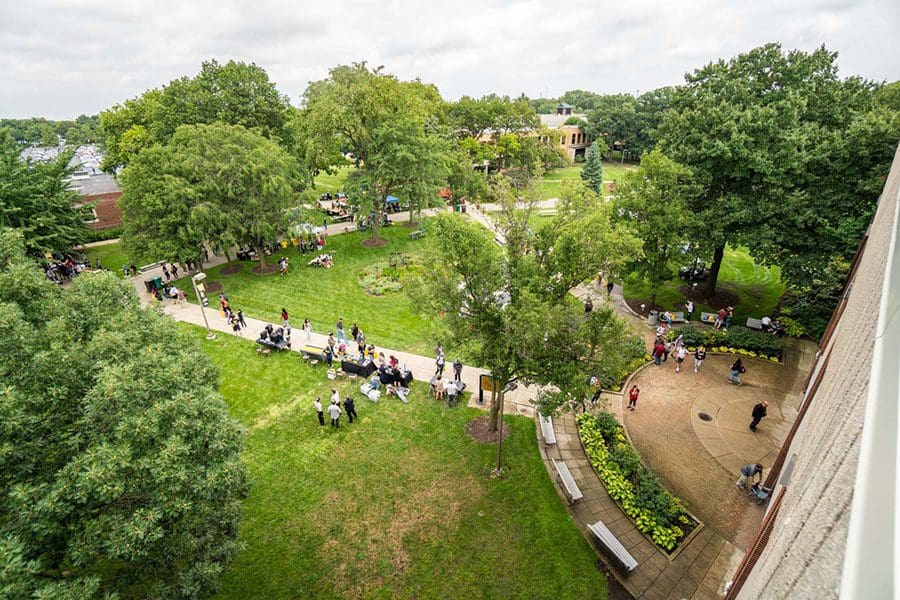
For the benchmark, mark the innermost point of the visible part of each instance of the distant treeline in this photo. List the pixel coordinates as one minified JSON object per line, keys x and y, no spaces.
{"x":82,"y":130}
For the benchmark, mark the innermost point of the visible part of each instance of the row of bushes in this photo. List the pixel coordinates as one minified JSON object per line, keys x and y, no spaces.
{"x":638,"y":490}
{"x":738,"y":340}
{"x":99,"y":235}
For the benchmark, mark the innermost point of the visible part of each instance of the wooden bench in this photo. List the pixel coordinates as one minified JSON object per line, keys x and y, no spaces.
{"x":564,"y":477}
{"x":708,"y":318}
{"x":416,"y":234}
{"x":754,"y":324}
{"x":613,"y":547}
{"x":547,"y":430}
{"x":678,"y":317}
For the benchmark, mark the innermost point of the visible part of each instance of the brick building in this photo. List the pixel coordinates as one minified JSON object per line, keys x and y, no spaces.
{"x":102,"y":191}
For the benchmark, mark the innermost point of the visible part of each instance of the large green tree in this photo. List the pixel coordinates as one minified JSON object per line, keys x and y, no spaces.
{"x":510,"y":307}
{"x":782,"y":148}
{"x":653,"y":200}
{"x":592,"y":172}
{"x":119,"y":466}
{"x":218,"y":183}
{"x":383,"y":123}
{"x":36,"y":201}
{"x":235,"y":93}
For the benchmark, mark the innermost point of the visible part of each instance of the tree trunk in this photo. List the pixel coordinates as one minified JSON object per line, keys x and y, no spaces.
{"x":494,"y":415}
{"x":376,"y":225}
{"x":262,"y":257}
{"x":713,"y":278}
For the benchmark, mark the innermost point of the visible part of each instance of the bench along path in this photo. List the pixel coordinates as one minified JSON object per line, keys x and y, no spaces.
{"x":696,"y":572}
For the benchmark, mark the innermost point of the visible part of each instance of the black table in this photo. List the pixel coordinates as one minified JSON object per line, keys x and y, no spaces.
{"x":363,"y":370}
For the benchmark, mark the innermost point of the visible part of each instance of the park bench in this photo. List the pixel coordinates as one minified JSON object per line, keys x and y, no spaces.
{"x":146,"y":268}
{"x":754,"y":324}
{"x":678,"y":317}
{"x":564,"y":477}
{"x":613,"y":547}
{"x":416,"y":234}
{"x":708,"y":318}
{"x":547,"y":430}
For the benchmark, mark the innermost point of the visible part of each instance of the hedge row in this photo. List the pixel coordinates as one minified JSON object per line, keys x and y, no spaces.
{"x":739,"y":340}
{"x":647,"y":503}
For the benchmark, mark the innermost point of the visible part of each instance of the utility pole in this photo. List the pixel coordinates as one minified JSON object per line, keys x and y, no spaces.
{"x":201,"y":299}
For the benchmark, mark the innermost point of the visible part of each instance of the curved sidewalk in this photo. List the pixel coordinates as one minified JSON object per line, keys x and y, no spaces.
{"x":696,"y":572}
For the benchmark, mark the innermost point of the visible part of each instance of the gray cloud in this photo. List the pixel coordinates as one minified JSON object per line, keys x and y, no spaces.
{"x":59,"y":58}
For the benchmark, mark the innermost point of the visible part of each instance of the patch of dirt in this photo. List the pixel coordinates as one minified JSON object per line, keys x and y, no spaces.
{"x":720,"y":298}
{"x":410,"y":224}
{"x":212,"y":287}
{"x":478,"y":430}
{"x":267,"y":270}
{"x":376,"y":243}
{"x":276,"y":412}
{"x":232,"y":269}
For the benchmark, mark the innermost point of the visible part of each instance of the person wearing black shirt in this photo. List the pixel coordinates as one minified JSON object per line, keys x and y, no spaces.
{"x":759,"y":411}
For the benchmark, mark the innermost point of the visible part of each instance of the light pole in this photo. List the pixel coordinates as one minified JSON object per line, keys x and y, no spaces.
{"x":508,"y":388}
{"x":197,"y":280}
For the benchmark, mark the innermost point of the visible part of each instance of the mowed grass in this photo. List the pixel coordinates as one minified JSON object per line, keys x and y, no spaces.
{"x":395,"y":505}
{"x":332,"y":182}
{"x":554,"y":180}
{"x":112,"y":257}
{"x":759,"y":288}
{"x":323,"y":295}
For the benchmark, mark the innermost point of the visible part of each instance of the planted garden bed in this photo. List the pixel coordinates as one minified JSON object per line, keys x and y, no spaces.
{"x":637,"y":490}
{"x":737,"y":340}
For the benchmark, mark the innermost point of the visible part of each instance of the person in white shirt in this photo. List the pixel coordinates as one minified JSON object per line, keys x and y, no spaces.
{"x":334,"y":410}
{"x":451,"y":391}
{"x":335,"y":397}
{"x":680,"y":353}
{"x":318,"y":406}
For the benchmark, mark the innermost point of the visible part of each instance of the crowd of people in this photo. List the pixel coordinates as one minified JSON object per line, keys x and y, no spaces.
{"x":65,"y":266}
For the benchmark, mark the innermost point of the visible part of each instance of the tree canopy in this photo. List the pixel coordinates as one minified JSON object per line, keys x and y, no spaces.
{"x":218,"y":183}
{"x":119,"y":465}
{"x":235,"y":93}
{"x":36,"y":201}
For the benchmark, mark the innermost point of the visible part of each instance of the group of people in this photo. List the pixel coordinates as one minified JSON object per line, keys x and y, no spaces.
{"x":334,"y":409}
{"x":449,"y":388}
{"x":663,"y":347}
{"x":235,"y":318}
{"x":65,"y":267}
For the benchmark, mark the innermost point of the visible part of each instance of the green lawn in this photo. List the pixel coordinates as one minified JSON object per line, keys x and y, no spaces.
{"x":324,"y":295}
{"x":553,"y":180}
{"x":332,"y":182}
{"x":112,"y":257}
{"x":394,"y":505}
{"x":759,"y":288}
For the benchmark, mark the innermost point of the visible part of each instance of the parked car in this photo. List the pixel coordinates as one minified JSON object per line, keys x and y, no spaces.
{"x":695,"y":272}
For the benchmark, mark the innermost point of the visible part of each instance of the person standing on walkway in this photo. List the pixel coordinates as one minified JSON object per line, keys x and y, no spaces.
{"x":609,"y":288}
{"x":667,"y":348}
{"x":736,"y":369}
{"x":633,"y":397}
{"x":174,"y":269}
{"x":350,"y":408}
{"x":334,"y":411}
{"x":125,"y":270}
{"x":689,"y":310}
{"x":240,"y":316}
{"x":439,"y":362}
{"x":588,"y":306}
{"x":457,"y":369}
{"x":284,"y":317}
{"x":748,"y":472}
{"x":339,"y":327}
{"x":319,"y":411}
{"x":166,"y":273}
{"x":308,"y":329}
{"x":699,"y":357}
{"x":680,"y":354}
{"x":759,"y":411}
{"x":658,"y":350}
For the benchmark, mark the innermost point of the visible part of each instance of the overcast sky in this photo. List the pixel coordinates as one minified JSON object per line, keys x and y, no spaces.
{"x":62,"y":58}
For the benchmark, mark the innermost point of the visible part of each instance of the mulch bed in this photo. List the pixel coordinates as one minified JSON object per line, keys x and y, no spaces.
{"x":232,"y":269}
{"x":213,"y":286}
{"x":721,"y":297}
{"x":376,"y":243}
{"x":478,"y":430}
{"x":267,"y":270}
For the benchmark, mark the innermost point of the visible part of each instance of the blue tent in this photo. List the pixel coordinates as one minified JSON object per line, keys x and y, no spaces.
{"x":392,"y":200}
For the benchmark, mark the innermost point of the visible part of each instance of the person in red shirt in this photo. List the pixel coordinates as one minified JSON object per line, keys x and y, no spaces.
{"x":658,"y":351}
{"x":633,"y":397}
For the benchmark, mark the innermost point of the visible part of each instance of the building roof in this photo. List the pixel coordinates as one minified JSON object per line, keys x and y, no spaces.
{"x":101,"y":183}
{"x":564,"y":105}
{"x":557,"y":121}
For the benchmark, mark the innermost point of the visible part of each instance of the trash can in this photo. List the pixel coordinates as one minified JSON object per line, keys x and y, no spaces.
{"x":157,"y":283}
{"x":149,"y":285}
{"x":463,"y":208}
{"x":653,"y":318}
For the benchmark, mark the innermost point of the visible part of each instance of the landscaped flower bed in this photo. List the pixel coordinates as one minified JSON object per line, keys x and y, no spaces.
{"x":638,"y":490}
{"x":737,"y":340}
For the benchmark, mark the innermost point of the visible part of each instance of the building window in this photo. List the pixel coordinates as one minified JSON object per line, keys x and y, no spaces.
{"x":562,"y":140}
{"x":573,"y":138}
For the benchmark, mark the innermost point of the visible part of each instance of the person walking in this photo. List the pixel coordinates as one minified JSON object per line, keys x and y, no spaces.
{"x":339,"y":327}
{"x":319,"y":411}
{"x":588,"y":306}
{"x":667,"y":348}
{"x":633,"y":394}
{"x":174,"y":269}
{"x":334,"y":411}
{"x":308,"y":329}
{"x":658,"y":350}
{"x":609,"y":288}
{"x":759,"y":411}
{"x":240,"y":316}
{"x":284,"y":317}
{"x":689,"y":310}
{"x":680,"y":354}
{"x":350,"y":408}
{"x":736,"y":369}
{"x":748,"y":472}
{"x":457,"y":369}
{"x":699,"y":357}
{"x":439,"y":362}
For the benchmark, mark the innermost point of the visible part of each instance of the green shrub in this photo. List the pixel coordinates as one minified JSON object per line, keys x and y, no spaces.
{"x":651,"y":507}
{"x":634,"y":354}
{"x":792,"y":327}
{"x":99,"y":235}
{"x":739,"y":340}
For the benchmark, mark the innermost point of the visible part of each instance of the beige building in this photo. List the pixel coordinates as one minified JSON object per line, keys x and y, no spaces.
{"x":573,"y":139}
{"x":832,"y":529}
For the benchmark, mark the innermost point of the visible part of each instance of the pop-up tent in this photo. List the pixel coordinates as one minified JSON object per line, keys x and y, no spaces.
{"x":392,"y":200}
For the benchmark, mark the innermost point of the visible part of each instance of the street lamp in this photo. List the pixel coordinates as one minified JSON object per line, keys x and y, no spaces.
{"x":197,"y":280}
{"x":512,"y":385}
